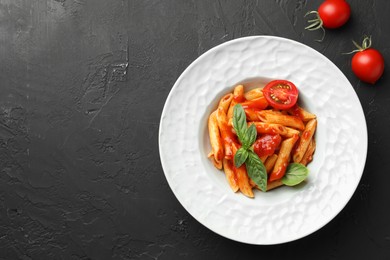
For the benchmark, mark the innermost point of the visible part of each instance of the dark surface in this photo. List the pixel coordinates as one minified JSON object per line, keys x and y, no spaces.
{"x":83,"y":84}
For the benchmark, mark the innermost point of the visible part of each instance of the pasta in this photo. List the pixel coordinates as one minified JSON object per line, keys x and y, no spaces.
{"x":295,"y":126}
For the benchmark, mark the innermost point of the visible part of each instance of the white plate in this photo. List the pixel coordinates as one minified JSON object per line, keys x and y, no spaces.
{"x":286,"y":213}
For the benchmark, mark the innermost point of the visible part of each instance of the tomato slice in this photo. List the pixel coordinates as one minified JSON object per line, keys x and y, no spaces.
{"x":266,"y":144}
{"x":281,"y":94}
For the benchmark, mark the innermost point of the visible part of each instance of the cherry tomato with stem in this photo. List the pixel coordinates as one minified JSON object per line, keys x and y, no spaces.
{"x":367,"y":63}
{"x":281,"y":94}
{"x":331,"y":14}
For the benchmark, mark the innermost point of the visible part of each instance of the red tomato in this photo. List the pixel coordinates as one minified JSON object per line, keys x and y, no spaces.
{"x":368,"y":65}
{"x":334,"y":13}
{"x":281,"y":94}
{"x":266,"y":145}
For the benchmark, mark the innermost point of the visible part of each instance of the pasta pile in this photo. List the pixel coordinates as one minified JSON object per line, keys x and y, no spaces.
{"x":295,"y":126}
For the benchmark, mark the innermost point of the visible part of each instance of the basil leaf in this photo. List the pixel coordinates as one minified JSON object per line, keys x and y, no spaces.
{"x":240,"y":157}
{"x":256,"y":170}
{"x":250,"y":137}
{"x":239,"y":122}
{"x":295,"y":174}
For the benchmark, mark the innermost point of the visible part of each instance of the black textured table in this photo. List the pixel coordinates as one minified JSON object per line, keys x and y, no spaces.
{"x":83,"y":84}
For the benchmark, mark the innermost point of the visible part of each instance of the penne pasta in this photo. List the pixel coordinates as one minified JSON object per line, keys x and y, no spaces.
{"x":305,"y":140}
{"x":225,"y":102}
{"x":270,"y":162}
{"x":242,"y":177}
{"x":217,"y":164}
{"x":251,"y":115}
{"x":263,"y":158}
{"x":226,"y":133}
{"x":238,"y":93}
{"x":215,"y":140}
{"x":243,"y":181}
{"x":238,"y":96}
{"x":256,"y":104}
{"x":268,"y":116}
{"x":266,"y":128}
{"x":230,"y":175}
{"x":284,"y":134}
{"x":291,"y":132}
{"x":283,"y":158}
{"x":253,"y":94}
{"x":301,"y":113}
{"x":274,"y":184}
{"x":308,"y":156}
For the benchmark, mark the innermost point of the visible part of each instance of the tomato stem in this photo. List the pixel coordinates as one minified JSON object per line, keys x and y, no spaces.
{"x":315,"y":24}
{"x":365,"y":45}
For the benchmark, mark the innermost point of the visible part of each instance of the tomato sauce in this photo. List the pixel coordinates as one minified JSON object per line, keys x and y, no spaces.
{"x":306,"y":135}
{"x":266,"y":145}
{"x":297,"y":111}
{"x":228,"y":138}
{"x":279,"y":173}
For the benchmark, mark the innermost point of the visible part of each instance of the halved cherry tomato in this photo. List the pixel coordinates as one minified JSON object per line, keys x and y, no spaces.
{"x":266,"y":145}
{"x":281,"y":94}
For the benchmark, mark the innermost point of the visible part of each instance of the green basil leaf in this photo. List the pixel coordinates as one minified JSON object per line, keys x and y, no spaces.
{"x":239,"y":122}
{"x":240,"y":157}
{"x":295,"y":174}
{"x":256,"y":170}
{"x":250,"y":137}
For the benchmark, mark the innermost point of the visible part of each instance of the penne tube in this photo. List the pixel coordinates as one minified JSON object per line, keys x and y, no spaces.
{"x":270,"y":162}
{"x":263,"y":158}
{"x":308,"y":156}
{"x":215,"y":140}
{"x":217,"y":164}
{"x":251,"y":115}
{"x":283,"y":158}
{"x":268,"y":116}
{"x":230,"y":110}
{"x":274,"y":184}
{"x":225,"y":102}
{"x":242,"y":177}
{"x":301,"y":113}
{"x":243,"y":181}
{"x":291,"y":132}
{"x":238,"y":93}
{"x":253,"y":94}
{"x":265,"y":128}
{"x":305,"y":140}
{"x":230,"y":175}
{"x":238,"y":96}
{"x":226,"y":133}
{"x":257,"y":104}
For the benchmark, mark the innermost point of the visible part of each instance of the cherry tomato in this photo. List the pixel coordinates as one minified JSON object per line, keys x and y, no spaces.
{"x":266,"y":145}
{"x":281,"y":94}
{"x":334,"y":13}
{"x":368,"y":65}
